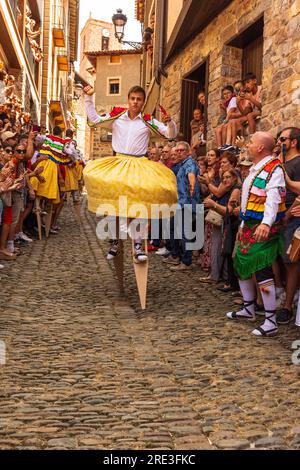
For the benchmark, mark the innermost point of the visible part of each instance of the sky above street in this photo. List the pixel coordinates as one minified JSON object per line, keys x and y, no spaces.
{"x":104,"y":10}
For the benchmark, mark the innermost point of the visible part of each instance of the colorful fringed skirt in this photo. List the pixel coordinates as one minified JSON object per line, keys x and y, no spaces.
{"x":251,"y":256}
{"x":128,"y":186}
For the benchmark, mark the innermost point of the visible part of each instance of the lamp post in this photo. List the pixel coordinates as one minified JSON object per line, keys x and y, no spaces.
{"x":119,"y":21}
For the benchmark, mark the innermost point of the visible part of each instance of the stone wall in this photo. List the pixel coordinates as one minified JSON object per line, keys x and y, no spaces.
{"x":101,"y":149}
{"x":281,"y":61}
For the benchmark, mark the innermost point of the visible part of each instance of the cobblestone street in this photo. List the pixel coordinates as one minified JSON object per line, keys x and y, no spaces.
{"x":87,"y":369}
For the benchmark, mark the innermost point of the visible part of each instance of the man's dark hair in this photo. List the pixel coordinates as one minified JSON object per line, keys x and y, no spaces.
{"x":137,"y":89}
{"x":249,"y":76}
{"x":57,"y":131}
{"x":229,"y":88}
{"x":69,"y":133}
{"x":294,"y":135}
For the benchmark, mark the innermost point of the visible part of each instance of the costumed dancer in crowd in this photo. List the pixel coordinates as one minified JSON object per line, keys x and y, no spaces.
{"x":260,"y":240}
{"x":56,"y":162}
{"x":129,"y":173}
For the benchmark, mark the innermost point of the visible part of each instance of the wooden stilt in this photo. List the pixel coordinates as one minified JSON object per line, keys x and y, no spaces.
{"x":119,"y":266}
{"x":38,"y":216}
{"x":141,"y":275}
{"x":49,"y":219}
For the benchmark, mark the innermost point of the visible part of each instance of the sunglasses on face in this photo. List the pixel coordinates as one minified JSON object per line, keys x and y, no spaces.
{"x":9,"y":151}
{"x":21,"y":151}
{"x":283,"y":139}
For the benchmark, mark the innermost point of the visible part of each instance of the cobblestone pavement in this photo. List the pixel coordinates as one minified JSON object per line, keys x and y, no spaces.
{"x":87,"y":369}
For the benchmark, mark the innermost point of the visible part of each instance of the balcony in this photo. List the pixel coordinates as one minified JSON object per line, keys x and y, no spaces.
{"x":59,"y":26}
{"x":58,"y":109}
{"x":63,"y":59}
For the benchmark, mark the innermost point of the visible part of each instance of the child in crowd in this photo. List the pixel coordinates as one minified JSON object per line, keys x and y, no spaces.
{"x":229,"y":106}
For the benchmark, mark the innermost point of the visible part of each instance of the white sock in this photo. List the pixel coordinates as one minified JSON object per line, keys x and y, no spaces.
{"x":248,"y":292}
{"x":268,"y":293}
{"x":10,"y":246}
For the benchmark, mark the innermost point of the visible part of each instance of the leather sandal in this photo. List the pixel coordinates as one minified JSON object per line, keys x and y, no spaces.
{"x":272,"y":331}
{"x":237,"y":316}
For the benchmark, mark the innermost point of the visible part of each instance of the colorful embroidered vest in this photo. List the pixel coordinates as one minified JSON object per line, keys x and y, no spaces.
{"x":53,"y":148}
{"x":255,"y":207}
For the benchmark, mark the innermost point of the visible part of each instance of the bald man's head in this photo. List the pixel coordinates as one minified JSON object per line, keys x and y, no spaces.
{"x":261,"y":145}
{"x":266,"y":139}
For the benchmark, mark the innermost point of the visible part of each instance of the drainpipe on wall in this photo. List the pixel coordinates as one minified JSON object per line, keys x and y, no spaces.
{"x":159,"y":55}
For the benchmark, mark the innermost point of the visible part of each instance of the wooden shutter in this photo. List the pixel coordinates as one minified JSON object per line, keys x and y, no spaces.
{"x":253,"y":58}
{"x":189,"y":94}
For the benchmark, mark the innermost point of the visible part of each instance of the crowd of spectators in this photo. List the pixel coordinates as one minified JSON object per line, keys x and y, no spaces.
{"x":216,"y":180}
{"x":21,"y":173}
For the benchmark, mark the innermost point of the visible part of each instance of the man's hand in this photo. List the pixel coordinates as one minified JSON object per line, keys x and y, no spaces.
{"x":15,"y":186}
{"x":295,"y":211}
{"x":248,"y":96}
{"x":209,"y":203}
{"x":32,"y":134}
{"x":89,"y":90}
{"x":262,"y":233}
{"x":240,"y":142}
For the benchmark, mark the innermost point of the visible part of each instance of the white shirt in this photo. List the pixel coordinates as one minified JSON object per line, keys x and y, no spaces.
{"x":232,"y":104}
{"x":129,"y":136}
{"x":276,"y":181}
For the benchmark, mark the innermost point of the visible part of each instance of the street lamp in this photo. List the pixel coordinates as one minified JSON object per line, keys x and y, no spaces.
{"x":119,"y":21}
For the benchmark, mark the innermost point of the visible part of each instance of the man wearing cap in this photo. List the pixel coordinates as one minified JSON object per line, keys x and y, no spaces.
{"x":9,"y":138}
{"x":244,"y":167}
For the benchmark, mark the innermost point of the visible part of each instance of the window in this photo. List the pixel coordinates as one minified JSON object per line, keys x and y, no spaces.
{"x":115,"y":59}
{"x":105,"y":44}
{"x":251,"y":41}
{"x":114,"y":87}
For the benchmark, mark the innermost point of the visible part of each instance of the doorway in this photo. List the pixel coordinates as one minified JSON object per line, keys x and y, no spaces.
{"x":195,"y":81}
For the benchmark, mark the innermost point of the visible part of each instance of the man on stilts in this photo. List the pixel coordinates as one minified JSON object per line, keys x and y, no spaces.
{"x":129,"y":172}
{"x":260,"y":240}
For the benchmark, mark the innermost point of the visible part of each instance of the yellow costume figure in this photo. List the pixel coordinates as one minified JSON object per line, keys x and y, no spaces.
{"x":129,"y":173}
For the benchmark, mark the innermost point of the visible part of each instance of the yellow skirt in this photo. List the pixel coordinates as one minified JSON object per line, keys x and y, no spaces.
{"x":50,"y":188}
{"x":139,"y":182}
{"x":71,"y":181}
{"x":79,"y":171}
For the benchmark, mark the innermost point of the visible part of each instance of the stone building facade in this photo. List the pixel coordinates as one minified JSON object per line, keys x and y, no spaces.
{"x":216,"y":46}
{"x":38,"y":45}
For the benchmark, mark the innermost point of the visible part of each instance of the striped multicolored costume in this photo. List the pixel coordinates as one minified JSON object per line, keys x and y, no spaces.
{"x":251,"y":256}
{"x":57,"y":171}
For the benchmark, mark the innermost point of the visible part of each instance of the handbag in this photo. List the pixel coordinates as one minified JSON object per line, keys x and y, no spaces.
{"x":294,"y":248}
{"x":214,"y":218}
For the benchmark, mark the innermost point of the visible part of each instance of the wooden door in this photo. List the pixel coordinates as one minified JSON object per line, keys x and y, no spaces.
{"x":253,"y":58}
{"x":189,"y":94}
